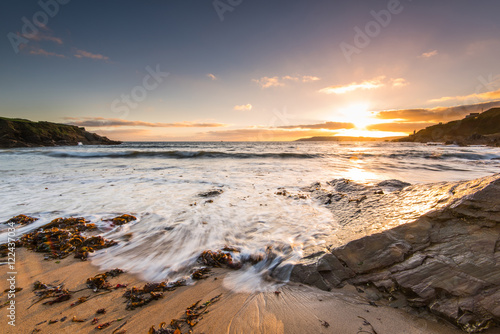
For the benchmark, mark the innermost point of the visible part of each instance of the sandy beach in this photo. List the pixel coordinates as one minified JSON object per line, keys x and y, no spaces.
{"x":294,"y":309}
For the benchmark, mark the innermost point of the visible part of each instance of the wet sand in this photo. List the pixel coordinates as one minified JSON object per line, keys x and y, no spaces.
{"x":295,"y":309}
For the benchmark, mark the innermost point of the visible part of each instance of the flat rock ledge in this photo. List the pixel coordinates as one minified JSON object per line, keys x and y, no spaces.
{"x":447,"y":261}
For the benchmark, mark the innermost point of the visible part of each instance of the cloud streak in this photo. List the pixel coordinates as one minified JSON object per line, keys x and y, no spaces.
{"x":324,"y":126}
{"x":429,"y":54}
{"x":439,"y":114}
{"x":243,"y":107}
{"x":374,"y":83}
{"x":267,"y":82}
{"x":86,"y":54}
{"x":487,"y":96}
{"x":263,"y":134}
{"x":115,"y":122}
{"x":41,"y":52}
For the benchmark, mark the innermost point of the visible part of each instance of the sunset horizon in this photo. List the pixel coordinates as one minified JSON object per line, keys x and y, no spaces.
{"x":250,"y":166}
{"x":328,"y":70}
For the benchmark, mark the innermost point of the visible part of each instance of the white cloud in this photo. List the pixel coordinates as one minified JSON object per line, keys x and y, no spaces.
{"x":429,"y":54}
{"x":399,"y":82}
{"x":342,"y":89}
{"x":487,"y":96}
{"x":309,"y":78}
{"x":374,"y":83}
{"x":266,"y":82}
{"x":243,"y":107}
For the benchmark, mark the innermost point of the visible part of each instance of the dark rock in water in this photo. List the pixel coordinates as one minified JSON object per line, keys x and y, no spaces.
{"x":211,"y":193}
{"x":395,"y":184}
{"x":15,"y":132}
{"x":446,"y":260}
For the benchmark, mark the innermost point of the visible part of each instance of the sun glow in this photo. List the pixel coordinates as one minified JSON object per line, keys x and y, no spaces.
{"x":359,"y":115}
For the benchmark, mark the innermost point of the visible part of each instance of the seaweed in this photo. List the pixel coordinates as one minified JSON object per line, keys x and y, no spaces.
{"x":121,"y":220}
{"x":80,"y":300}
{"x":5,"y":249}
{"x":44,"y":291}
{"x":200,"y":273}
{"x":21,"y":220}
{"x":192,"y":316}
{"x":62,"y":236}
{"x":163,"y":330}
{"x":100,"y":282}
{"x":218,"y":259}
{"x":151,"y":291}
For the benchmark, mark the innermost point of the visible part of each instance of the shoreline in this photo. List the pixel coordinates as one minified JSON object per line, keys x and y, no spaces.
{"x":411,"y":273}
{"x":295,"y":309}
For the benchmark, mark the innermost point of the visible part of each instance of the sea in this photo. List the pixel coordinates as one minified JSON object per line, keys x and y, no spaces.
{"x":195,"y":196}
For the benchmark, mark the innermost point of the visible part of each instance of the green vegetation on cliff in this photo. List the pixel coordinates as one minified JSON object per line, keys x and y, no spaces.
{"x":481,"y":129}
{"x":16,"y":132}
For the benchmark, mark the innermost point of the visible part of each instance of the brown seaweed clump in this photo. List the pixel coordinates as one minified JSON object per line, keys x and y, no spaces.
{"x":73,"y":224}
{"x":44,"y":291}
{"x":62,"y":236}
{"x":123,"y":219}
{"x":218,"y":259}
{"x":5,"y":249}
{"x":100,"y":281}
{"x":192,"y":316}
{"x":21,"y":220}
{"x":151,"y":291}
{"x":201,"y":273}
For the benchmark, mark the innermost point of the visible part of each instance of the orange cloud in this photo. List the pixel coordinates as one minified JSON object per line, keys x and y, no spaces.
{"x":243,"y":107}
{"x":325,"y":126}
{"x":211,"y":76}
{"x":42,"y":52}
{"x":86,"y":54}
{"x":488,"y":96}
{"x":399,"y":126}
{"x":439,"y":114}
{"x":374,"y":83}
{"x":429,"y":54}
{"x":115,"y":122}
{"x":267,"y":82}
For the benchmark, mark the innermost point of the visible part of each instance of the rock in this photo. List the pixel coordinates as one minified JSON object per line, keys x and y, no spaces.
{"x":16,"y":132}
{"x":211,"y":193}
{"x":446,"y":260}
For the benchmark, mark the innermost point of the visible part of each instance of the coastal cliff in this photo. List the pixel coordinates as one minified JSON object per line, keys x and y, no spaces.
{"x":16,"y":132}
{"x":445,"y":262}
{"x":476,"y":129}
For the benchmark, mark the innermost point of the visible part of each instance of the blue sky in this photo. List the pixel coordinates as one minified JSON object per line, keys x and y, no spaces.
{"x":270,"y":70}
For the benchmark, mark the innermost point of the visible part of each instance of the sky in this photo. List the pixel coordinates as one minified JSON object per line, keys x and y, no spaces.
{"x":248,"y":70}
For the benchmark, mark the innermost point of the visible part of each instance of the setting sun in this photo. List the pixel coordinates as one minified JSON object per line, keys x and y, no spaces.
{"x":359,"y":115}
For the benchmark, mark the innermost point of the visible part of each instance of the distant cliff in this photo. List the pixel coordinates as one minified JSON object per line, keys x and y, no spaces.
{"x":480,"y":129}
{"x":15,"y":132}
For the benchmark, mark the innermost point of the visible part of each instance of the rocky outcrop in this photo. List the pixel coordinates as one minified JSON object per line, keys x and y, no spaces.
{"x":447,"y":260}
{"x":480,"y":129}
{"x":24,"y":133}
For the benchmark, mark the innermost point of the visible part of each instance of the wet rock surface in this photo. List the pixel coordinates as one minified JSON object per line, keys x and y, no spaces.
{"x":440,"y":253}
{"x":15,"y":132}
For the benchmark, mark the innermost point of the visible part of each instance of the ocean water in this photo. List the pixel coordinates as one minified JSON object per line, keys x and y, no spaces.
{"x":161,"y":183}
